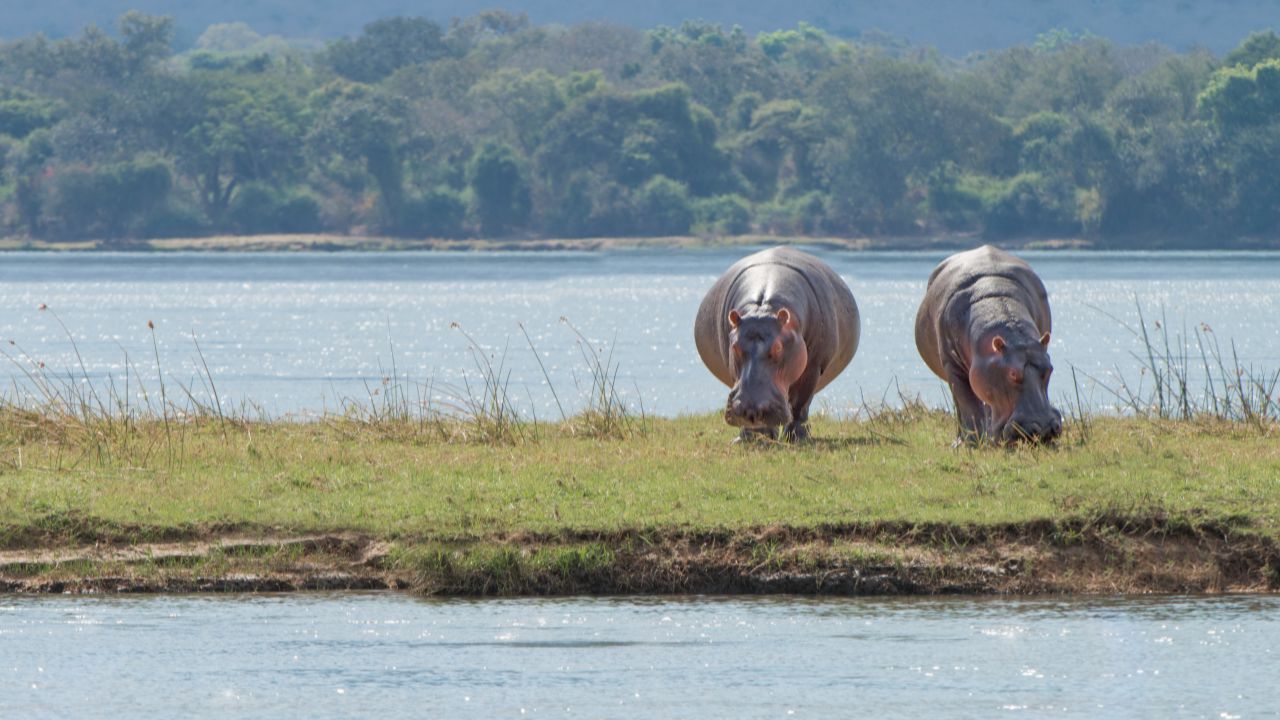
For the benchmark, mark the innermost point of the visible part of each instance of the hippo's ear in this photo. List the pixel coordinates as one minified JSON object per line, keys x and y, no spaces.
{"x":734,"y":318}
{"x":788,"y":320}
{"x":1044,"y":340}
{"x":998,"y":344}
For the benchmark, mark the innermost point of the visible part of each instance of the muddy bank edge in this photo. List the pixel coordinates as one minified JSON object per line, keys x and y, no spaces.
{"x":1118,"y":555}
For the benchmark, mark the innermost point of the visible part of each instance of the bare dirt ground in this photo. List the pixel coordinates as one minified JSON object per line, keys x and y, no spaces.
{"x":875,"y":560}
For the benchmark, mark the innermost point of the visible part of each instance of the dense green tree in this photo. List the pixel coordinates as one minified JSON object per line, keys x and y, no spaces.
{"x":361,"y":124}
{"x":1240,"y":97}
{"x":1256,"y":48}
{"x":22,"y":112}
{"x":1167,"y":93}
{"x":1171,"y":182}
{"x":885,"y":125}
{"x":774,"y":152}
{"x":249,"y":129}
{"x":662,"y":208}
{"x":1243,"y":104}
{"x":146,"y":39}
{"x":497,"y":126}
{"x":499,"y":188}
{"x":522,"y":103}
{"x":263,"y":208}
{"x":108,"y":201}
{"x":29,"y":166}
{"x":441,"y":212}
{"x":384,"y":47}
{"x":1071,"y":77}
{"x":631,"y":137}
{"x":716,"y":66}
{"x":1252,"y":156}
{"x":722,"y":215}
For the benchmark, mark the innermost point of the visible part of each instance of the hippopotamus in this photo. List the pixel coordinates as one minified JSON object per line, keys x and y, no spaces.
{"x":777,"y":327}
{"x":983,"y":326}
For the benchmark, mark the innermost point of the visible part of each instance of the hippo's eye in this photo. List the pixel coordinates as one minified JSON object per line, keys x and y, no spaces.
{"x":1015,"y":377}
{"x":775,"y":350}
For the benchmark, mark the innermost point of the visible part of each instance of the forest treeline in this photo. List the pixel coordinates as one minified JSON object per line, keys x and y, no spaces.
{"x":495,"y":127}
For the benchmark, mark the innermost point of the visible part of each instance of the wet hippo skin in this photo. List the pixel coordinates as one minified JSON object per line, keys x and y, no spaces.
{"x":777,"y":327}
{"x":983,"y":327}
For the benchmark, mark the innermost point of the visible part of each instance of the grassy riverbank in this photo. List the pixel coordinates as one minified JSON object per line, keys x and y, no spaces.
{"x":881,"y":504}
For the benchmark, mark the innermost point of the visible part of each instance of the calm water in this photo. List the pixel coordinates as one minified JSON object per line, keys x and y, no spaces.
{"x":300,"y":333}
{"x":394,"y":656}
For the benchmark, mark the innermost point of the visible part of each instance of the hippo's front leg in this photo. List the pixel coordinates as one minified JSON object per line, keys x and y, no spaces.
{"x":970,"y":411}
{"x":799,"y":397}
{"x":796,"y":431}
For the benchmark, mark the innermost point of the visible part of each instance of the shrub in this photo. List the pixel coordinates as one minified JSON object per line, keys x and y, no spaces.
{"x":722,"y":215}
{"x":499,"y":188}
{"x":440,"y":212}
{"x":109,"y":201}
{"x":1024,"y":204}
{"x":173,"y":219}
{"x":261,"y":208}
{"x":662,"y":207}
{"x":802,"y":215}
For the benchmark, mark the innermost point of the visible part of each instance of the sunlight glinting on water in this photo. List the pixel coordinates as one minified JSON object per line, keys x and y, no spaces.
{"x":392,"y":655}
{"x":299,"y":334}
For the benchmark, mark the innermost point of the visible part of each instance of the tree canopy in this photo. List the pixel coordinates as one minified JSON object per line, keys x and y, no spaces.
{"x":494,"y":126}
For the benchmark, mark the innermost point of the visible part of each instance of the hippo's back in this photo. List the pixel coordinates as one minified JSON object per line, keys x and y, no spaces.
{"x":776,"y":277}
{"x":965,"y":278}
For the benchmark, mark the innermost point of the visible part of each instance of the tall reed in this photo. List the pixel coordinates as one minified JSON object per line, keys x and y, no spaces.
{"x":605,"y":414}
{"x":1188,"y":375}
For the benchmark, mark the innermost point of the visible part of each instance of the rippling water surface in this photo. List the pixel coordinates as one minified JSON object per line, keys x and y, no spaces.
{"x":395,"y":656}
{"x":298,"y":333}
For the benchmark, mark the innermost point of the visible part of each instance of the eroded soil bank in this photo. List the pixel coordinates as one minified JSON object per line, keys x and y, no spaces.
{"x":1101,"y":556}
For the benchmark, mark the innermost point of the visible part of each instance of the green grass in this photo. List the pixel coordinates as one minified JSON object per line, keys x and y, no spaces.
{"x":60,"y":485}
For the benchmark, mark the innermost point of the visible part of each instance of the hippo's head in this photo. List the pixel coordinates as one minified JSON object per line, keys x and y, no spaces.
{"x":766,"y":355}
{"x":1012,"y":378}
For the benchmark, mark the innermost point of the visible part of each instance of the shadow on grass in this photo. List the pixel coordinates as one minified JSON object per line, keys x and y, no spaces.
{"x":845,"y":443}
{"x":820,"y":444}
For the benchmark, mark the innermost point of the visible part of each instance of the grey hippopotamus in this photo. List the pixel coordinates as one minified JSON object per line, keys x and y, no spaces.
{"x":984,"y":328}
{"x":777,"y":327}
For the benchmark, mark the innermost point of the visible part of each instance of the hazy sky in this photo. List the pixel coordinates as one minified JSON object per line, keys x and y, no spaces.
{"x":955,"y":27}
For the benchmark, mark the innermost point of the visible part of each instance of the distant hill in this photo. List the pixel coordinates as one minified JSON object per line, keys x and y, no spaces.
{"x":955,"y":27}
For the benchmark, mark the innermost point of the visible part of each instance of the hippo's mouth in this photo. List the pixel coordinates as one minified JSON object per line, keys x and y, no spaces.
{"x":755,"y":407}
{"x":1014,"y":431}
{"x":757,"y":418}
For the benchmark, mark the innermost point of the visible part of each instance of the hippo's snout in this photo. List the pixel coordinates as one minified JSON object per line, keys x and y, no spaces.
{"x":751,"y":411}
{"x":1035,"y":429}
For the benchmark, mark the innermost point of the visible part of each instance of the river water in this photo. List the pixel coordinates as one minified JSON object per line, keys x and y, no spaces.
{"x":395,"y":656}
{"x":298,"y":333}
{"x":301,"y":333}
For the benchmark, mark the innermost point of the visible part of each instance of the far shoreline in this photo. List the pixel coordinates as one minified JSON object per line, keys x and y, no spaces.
{"x":329,"y":243}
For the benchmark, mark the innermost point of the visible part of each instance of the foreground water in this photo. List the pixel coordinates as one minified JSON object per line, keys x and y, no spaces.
{"x":301,"y":333}
{"x":392,"y":656}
